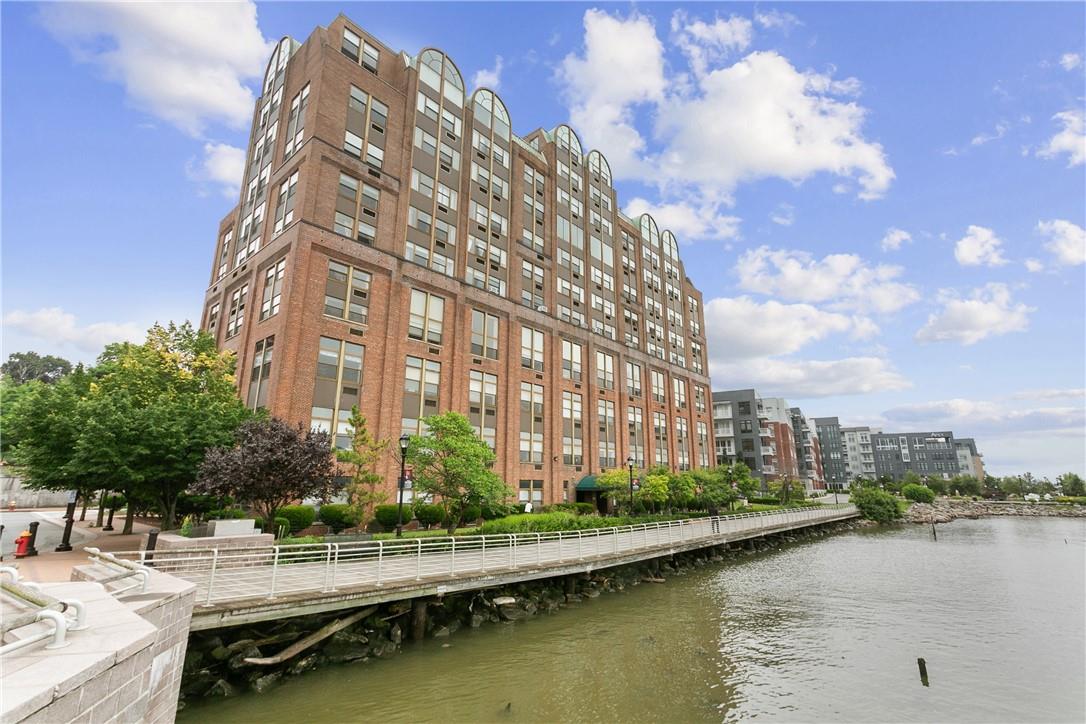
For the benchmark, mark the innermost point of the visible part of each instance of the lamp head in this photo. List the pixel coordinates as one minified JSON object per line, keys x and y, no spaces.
{"x":404,"y":439}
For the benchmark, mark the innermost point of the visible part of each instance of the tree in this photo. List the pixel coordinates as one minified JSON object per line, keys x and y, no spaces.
{"x":918,"y":493}
{"x":737,"y":475}
{"x":453,"y":463}
{"x":1071,"y":484}
{"x":875,"y":504}
{"x":271,"y":465}
{"x":654,"y":490}
{"x":23,"y":367}
{"x":937,"y":485}
{"x":363,"y":454}
{"x":714,"y":490}
{"x":615,"y":485}
{"x":680,"y":490}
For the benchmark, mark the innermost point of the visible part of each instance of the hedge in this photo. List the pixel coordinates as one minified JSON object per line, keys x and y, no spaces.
{"x":918,"y":493}
{"x":428,"y":514}
{"x":338,"y":516}
{"x":388,"y":515}
{"x":299,"y":516}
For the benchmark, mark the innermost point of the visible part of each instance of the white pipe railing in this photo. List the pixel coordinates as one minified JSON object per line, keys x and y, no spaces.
{"x":228,"y":574}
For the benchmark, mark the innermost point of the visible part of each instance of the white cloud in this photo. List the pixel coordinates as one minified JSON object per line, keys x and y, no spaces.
{"x":810,"y":378}
{"x":55,"y":326}
{"x":489,"y":77}
{"x":222,"y":165}
{"x":784,"y":214}
{"x":757,"y":118}
{"x":703,"y":42}
{"x":895,"y":238}
{"x":966,"y":416}
{"x":186,"y":63}
{"x":1034,"y":265}
{"x":1070,"y":140}
{"x":776,"y":19}
{"x":1051,"y":393}
{"x":982,"y":138}
{"x":844,"y":280}
{"x":1066,"y":241}
{"x":988,"y":312}
{"x":688,"y":220}
{"x":1070,"y":61}
{"x":742,"y":328}
{"x":979,"y":246}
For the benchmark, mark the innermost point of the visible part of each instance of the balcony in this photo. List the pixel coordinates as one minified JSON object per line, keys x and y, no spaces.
{"x":765,"y":432}
{"x":769,"y":469}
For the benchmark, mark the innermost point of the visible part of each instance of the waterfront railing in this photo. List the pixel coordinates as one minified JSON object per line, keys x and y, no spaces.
{"x":35,"y":606}
{"x":232,"y":574}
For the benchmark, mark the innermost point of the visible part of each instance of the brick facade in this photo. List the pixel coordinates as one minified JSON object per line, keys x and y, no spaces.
{"x":585,"y":243}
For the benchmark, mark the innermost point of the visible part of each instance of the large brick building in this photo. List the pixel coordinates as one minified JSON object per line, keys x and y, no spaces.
{"x":397,"y":247}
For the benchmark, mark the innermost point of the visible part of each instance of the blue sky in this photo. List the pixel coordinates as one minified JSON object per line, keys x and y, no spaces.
{"x":883,"y":203}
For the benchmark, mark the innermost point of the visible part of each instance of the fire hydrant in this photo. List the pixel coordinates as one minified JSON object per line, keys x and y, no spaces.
{"x":22,"y":543}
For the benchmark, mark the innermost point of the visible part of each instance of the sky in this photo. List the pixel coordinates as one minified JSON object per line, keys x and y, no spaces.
{"x":883,"y":204}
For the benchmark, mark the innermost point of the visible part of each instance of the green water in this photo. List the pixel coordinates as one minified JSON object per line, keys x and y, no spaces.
{"x":824,"y":631}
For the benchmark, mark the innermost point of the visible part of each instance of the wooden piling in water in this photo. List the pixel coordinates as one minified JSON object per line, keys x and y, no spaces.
{"x":418,"y":619}
{"x":923,"y":670}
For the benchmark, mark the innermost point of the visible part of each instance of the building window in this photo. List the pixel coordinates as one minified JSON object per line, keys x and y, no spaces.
{"x":746,"y":426}
{"x":213,"y":318}
{"x":360,"y":51}
{"x":337,"y":388}
{"x":605,"y":413}
{"x":483,"y":406}
{"x":260,"y":374}
{"x":744,"y":407}
{"x":571,"y":360}
{"x":703,"y":445}
{"x":347,"y":293}
{"x":659,"y":431}
{"x":636,"y":427}
{"x":659,"y":389}
{"x":681,"y":448}
{"x":484,"y":334}
{"x":605,"y":371}
{"x":273,"y":289}
{"x":530,"y":491}
{"x":531,"y":349}
{"x":633,"y":379}
{"x":679,"y":388}
{"x":531,"y":423}
{"x":356,"y":210}
{"x":532,"y":283}
{"x":426,"y":317}
{"x":284,"y":208}
{"x":700,"y":398}
{"x":572,"y":429}
{"x":236,"y":315}
{"x":421,"y":383}
{"x":296,"y":123}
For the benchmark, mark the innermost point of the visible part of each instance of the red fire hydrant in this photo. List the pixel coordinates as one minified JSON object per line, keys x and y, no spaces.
{"x":22,"y":542}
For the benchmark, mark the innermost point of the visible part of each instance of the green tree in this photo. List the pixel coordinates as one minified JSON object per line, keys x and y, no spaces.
{"x":654,"y":491}
{"x":738,"y":476}
{"x":681,"y":489}
{"x":1071,"y":484}
{"x":271,"y":464}
{"x":875,"y":504}
{"x":365,"y":451}
{"x":615,"y":485}
{"x":23,"y":367}
{"x":714,"y":490}
{"x":918,"y":493}
{"x":454,"y":464}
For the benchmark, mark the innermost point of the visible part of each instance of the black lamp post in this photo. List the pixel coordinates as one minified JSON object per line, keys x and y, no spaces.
{"x":630,"y":464}
{"x":404,"y":439}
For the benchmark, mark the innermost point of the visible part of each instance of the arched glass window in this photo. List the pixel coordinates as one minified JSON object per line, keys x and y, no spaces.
{"x":277,"y":62}
{"x":598,"y":164}
{"x":433,"y":66}
{"x":491,"y":111}
{"x":671,"y":247}
{"x":649,"y":231}
{"x":568,"y":139}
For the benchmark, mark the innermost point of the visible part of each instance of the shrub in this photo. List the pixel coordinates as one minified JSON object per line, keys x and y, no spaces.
{"x":492,"y":512}
{"x":764,"y":500}
{"x":226,"y":514}
{"x":585,"y":508}
{"x":877,"y":505}
{"x":388,"y":515}
{"x":1072,"y":499}
{"x":338,"y":516}
{"x":301,"y":540}
{"x":428,"y":514}
{"x":918,"y":493}
{"x":470,"y":514}
{"x":299,"y":516}
{"x":280,"y":527}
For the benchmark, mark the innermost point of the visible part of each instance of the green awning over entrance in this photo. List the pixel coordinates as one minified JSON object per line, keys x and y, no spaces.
{"x":588,"y":482}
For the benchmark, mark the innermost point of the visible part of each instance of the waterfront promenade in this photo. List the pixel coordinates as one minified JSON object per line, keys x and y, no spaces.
{"x":256,"y":584}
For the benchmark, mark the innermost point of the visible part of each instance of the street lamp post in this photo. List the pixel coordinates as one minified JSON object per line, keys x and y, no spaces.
{"x":630,"y":464}
{"x":404,"y":440}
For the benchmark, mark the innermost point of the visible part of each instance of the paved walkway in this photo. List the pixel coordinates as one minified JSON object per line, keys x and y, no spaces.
{"x":50,"y":565}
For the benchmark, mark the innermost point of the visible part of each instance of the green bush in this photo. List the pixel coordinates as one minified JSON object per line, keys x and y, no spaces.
{"x":764,"y":500}
{"x":492,"y":512}
{"x":115,"y":502}
{"x":470,"y":514}
{"x":551,"y":522}
{"x":301,"y":540}
{"x":280,"y":527}
{"x":299,"y":516}
{"x":877,"y":505}
{"x":338,"y":516}
{"x":428,"y":514}
{"x":226,"y":514}
{"x":585,"y":508}
{"x":918,"y":493}
{"x":388,"y":515}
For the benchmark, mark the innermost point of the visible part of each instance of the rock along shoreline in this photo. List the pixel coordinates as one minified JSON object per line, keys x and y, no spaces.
{"x":944,"y":511}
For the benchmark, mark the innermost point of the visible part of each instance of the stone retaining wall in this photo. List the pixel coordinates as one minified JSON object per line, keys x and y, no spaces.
{"x":944,"y":511}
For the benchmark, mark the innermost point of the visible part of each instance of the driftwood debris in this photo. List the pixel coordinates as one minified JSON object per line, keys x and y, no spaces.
{"x":314,"y":638}
{"x":648,"y":579}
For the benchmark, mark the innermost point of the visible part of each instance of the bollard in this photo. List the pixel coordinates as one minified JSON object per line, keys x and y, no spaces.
{"x":152,"y":541}
{"x":1,"y":542}
{"x":923,"y":670}
{"x":109,"y":524}
{"x":30,"y":549}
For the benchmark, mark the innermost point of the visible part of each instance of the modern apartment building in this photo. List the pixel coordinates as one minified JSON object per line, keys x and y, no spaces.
{"x":832,"y":446}
{"x":808,"y":447}
{"x":970,"y":461}
{"x":924,"y":453}
{"x":859,"y":454}
{"x":779,"y":454}
{"x":398,"y":247}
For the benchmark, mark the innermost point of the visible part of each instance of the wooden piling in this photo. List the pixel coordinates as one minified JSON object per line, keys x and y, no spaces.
{"x":418,"y":619}
{"x":923,"y":670}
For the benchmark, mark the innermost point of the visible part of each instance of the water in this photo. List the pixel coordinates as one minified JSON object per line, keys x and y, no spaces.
{"x":826,"y":631}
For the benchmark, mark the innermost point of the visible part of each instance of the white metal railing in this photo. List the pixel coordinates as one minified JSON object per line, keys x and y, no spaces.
{"x":230,"y":574}
{"x":40,"y":607}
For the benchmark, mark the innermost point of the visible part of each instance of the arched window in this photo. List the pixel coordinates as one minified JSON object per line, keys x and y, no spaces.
{"x":491,"y":111}
{"x":434,"y":66}
{"x":597,"y":164}
{"x":649,"y":231}
{"x":671,"y":247}
{"x":567,"y":139}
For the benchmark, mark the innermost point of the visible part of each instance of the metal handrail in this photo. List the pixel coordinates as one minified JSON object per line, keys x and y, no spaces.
{"x":232,"y":574}
{"x":128,"y":569}
{"x":43,"y":608}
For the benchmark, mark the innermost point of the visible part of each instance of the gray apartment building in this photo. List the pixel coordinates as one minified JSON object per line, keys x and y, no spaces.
{"x":924,"y":453}
{"x":834,"y":464}
{"x":970,"y":461}
{"x":736,"y":431}
{"x":859,"y":455}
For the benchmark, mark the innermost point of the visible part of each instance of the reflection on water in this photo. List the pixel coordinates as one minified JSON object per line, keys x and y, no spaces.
{"x":821,"y":631}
